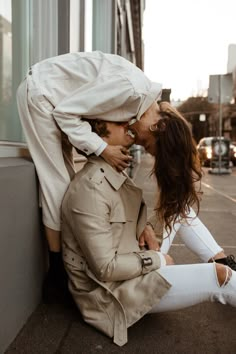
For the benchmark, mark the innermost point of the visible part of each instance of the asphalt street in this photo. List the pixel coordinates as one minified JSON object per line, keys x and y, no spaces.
{"x":208,"y":328}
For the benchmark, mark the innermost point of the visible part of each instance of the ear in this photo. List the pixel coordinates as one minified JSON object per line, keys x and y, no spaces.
{"x":153,"y":128}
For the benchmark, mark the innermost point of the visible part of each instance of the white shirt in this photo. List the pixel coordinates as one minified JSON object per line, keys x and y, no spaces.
{"x":92,"y":85}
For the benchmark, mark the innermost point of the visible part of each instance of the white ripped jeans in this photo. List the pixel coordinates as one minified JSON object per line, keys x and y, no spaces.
{"x":194,"y":283}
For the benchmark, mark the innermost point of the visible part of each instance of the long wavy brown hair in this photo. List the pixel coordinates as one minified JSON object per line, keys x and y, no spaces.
{"x":177,"y":167}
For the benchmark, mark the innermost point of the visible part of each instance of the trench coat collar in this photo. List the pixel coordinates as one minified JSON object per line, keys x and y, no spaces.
{"x":116,"y":179}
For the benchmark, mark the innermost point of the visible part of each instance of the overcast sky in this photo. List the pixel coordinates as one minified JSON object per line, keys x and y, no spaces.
{"x":186,"y":41}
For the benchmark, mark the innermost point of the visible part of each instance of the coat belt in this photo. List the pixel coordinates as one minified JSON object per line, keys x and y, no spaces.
{"x":74,"y":259}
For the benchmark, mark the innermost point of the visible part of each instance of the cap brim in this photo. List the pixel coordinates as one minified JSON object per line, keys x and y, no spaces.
{"x":152,"y":95}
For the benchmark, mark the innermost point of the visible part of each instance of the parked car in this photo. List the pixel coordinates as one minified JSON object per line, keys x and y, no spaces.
{"x":205,"y":151}
{"x":233,"y":152}
{"x":204,"y":148}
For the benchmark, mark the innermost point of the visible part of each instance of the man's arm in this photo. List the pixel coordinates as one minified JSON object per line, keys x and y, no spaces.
{"x":108,"y":97}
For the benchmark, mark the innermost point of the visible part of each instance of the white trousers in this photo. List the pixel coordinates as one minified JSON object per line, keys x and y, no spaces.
{"x":194,"y":283}
{"x":195,"y":236}
{"x":49,"y":149}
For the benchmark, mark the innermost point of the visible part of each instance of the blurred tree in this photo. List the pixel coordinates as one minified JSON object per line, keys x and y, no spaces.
{"x":192,"y":108}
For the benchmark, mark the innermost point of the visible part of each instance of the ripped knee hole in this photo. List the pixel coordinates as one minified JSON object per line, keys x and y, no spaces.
{"x":224,"y":274}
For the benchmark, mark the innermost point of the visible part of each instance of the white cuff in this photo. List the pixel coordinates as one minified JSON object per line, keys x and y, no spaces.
{"x":101,"y":148}
{"x":162,"y":258}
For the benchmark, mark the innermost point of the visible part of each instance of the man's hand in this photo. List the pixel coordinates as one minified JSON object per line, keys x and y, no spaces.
{"x":148,"y":238}
{"x":117,"y":156}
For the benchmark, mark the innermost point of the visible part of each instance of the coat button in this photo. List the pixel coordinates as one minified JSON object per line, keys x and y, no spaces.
{"x":102,"y":170}
{"x":30,"y":72}
{"x":85,"y":150}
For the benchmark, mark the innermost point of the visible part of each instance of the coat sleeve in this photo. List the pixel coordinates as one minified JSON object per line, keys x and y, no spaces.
{"x":90,"y":219}
{"x":109,"y":98}
{"x":157,"y":225}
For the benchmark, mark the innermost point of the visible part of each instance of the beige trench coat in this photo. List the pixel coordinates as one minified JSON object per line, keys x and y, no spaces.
{"x":112,"y":281}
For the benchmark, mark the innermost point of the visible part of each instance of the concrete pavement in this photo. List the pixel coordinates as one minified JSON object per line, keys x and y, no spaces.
{"x":202,"y":329}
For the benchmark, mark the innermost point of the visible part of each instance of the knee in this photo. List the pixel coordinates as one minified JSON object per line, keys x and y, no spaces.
{"x":224,"y":274}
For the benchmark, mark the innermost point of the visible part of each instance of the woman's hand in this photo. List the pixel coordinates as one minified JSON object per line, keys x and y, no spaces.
{"x":148,"y":238}
{"x":117,"y":156}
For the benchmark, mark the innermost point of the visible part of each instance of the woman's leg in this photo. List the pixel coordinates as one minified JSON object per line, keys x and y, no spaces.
{"x":45,"y":143}
{"x":196,"y":237}
{"x":196,"y":283}
{"x":168,"y":239}
{"x":53,"y":236}
{"x":46,"y":146}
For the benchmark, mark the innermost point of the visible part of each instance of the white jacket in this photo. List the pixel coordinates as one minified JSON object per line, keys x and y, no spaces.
{"x":95,"y":86}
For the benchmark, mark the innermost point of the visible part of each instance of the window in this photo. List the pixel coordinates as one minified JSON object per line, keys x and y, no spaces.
{"x":14,"y":60}
{"x":88,"y":26}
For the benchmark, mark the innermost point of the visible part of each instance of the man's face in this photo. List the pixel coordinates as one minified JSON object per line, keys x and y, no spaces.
{"x":141,"y":128}
{"x":118,"y":134}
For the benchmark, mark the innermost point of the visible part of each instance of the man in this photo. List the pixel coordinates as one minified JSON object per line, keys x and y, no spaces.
{"x":112,"y":280}
{"x":103,"y":215}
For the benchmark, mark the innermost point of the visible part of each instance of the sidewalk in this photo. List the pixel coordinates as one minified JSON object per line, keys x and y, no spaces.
{"x":203,"y":329}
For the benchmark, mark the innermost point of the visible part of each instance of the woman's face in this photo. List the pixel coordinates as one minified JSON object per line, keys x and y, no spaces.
{"x":143,"y":135}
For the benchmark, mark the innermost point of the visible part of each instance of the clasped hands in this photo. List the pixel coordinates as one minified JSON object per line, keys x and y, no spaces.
{"x":148,"y":239}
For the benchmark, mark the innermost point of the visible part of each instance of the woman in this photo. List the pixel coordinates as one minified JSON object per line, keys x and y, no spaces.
{"x":56,"y":94}
{"x":112,"y":280}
